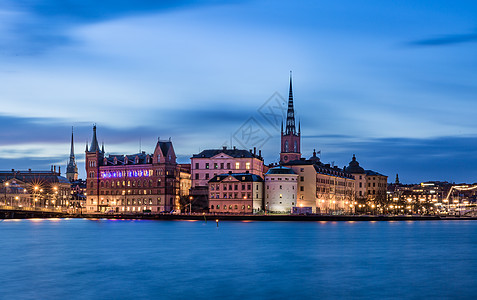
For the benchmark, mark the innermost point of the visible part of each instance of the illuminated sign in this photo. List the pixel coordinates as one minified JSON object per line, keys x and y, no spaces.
{"x":121,"y":174}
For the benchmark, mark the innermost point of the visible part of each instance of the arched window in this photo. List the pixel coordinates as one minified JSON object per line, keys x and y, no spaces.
{"x":211,"y":207}
{"x":295,"y":147}
{"x":286,"y":146}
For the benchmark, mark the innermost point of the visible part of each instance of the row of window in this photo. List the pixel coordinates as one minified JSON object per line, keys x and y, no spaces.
{"x":129,"y":192}
{"x":279,"y":178}
{"x":223,"y":166}
{"x":231,"y":196}
{"x":230,"y":187}
{"x":230,"y":207}
{"x":281,"y":187}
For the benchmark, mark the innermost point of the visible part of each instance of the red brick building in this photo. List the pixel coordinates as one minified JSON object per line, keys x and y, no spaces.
{"x":135,"y":183}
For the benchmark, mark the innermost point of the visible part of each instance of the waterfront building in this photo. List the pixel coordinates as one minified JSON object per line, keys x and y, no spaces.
{"x":236,"y":193}
{"x":72,"y":168}
{"x":41,"y":189}
{"x":185,"y":182}
{"x":322,"y":187}
{"x":212,"y":162}
{"x":280,"y":190}
{"x":134,"y":183}
{"x":78,"y":196}
{"x":422,"y":198}
{"x":370,"y":187}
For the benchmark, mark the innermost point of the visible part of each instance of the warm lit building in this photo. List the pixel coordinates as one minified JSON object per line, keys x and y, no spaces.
{"x":185,"y":181}
{"x":236,"y":193}
{"x":135,"y":183}
{"x":280,"y":190}
{"x":370,"y":187}
{"x":45,"y":189}
{"x":212,"y":162}
{"x":320,"y":188}
{"x":324,"y":188}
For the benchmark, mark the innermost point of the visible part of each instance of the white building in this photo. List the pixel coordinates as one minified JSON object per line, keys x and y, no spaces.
{"x":280,"y":189}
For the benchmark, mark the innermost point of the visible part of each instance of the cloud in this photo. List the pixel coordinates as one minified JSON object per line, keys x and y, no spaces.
{"x":445,"y":40}
{"x":34,"y":27}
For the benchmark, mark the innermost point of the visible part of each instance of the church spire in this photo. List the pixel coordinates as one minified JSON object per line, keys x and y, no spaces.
{"x":72,"y":168}
{"x":290,"y":128}
{"x":72,"y":150}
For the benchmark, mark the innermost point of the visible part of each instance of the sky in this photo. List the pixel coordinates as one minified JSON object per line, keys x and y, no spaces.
{"x":394,"y":82}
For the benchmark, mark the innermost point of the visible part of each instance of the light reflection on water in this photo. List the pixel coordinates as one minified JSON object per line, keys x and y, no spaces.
{"x":126,"y":259}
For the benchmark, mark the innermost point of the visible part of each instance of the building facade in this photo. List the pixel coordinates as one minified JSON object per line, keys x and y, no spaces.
{"x":209,"y":163}
{"x":35,"y":189}
{"x":136,"y":183}
{"x":236,"y":193}
{"x":280,"y":190}
{"x":324,"y":188}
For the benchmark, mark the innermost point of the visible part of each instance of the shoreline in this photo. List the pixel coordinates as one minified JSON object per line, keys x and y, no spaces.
{"x":4,"y":214}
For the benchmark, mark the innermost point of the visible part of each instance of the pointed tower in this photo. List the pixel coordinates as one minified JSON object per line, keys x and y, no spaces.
{"x":93,"y":160}
{"x":290,"y":139}
{"x":72,"y":168}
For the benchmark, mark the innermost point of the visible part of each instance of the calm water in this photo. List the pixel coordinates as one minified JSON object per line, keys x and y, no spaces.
{"x":107,"y":259}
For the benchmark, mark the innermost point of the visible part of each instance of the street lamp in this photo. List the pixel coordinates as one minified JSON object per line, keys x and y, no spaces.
{"x":190,"y":204}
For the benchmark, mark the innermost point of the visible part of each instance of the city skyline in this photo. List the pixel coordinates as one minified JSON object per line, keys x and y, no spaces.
{"x":391,"y":83}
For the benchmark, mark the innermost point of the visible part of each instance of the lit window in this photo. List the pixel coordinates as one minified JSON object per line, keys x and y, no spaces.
{"x":247,"y":166}
{"x":237,"y":165}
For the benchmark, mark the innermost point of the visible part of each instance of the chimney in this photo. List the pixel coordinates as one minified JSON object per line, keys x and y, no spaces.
{"x":235,"y":148}
{"x":29,"y":170}
{"x":254,"y":150}
{"x":224,"y":147}
{"x":251,"y":151}
{"x":59,"y":170}
{"x":54,"y":169}
{"x":260,"y":153}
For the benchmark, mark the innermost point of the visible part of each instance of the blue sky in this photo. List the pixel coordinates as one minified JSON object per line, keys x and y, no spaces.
{"x":393,"y":82}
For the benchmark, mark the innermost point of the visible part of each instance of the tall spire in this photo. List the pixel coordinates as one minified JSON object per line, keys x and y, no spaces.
{"x":94,"y":143}
{"x":72,"y":150}
{"x":290,"y":128}
{"x":71,"y":167}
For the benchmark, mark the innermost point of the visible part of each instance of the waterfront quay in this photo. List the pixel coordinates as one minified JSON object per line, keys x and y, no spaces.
{"x":7,"y":213}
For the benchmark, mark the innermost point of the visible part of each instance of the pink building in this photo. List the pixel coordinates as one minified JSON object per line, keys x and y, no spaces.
{"x":210,"y":163}
{"x":236,"y":193}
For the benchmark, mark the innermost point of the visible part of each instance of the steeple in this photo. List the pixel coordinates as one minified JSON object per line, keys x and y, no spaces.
{"x":72,"y":150}
{"x":290,"y":139}
{"x":290,"y":128}
{"x":71,"y":167}
{"x":102,"y":147}
{"x":94,"y":143}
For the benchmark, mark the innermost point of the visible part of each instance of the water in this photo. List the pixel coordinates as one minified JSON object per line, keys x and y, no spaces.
{"x":108,"y":259}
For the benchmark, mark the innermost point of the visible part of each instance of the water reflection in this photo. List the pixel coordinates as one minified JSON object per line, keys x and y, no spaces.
{"x":111,"y":259}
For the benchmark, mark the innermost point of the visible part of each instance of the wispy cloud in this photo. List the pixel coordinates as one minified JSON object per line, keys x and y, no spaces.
{"x":32,"y":27}
{"x":445,"y":40}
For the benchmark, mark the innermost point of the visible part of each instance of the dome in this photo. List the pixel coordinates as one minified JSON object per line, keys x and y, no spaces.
{"x":280,"y":170}
{"x":354,"y":167}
